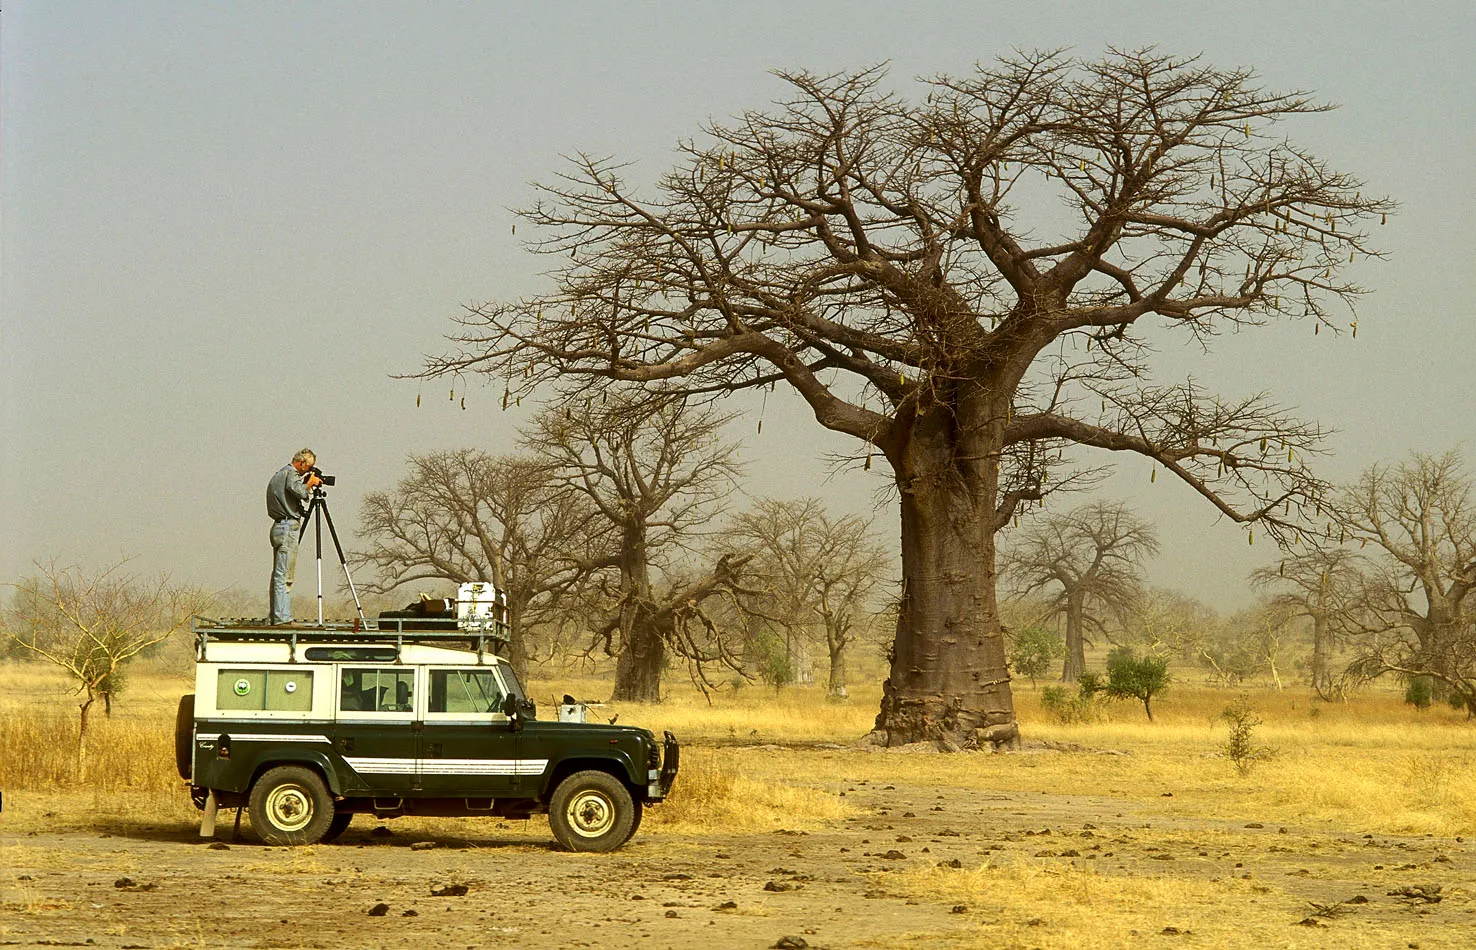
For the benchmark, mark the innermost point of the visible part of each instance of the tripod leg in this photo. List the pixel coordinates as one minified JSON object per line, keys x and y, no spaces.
{"x":343,"y":562}
{"x":318,"y":528}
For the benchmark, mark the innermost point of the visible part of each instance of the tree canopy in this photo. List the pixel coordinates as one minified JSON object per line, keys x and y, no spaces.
{"x":967,"y":283}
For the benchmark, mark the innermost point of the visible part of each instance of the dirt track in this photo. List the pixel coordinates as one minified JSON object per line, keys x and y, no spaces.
{"x":828,"y":888}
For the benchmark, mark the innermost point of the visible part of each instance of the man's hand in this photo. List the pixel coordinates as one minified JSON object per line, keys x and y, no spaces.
{"x":312,"y":480}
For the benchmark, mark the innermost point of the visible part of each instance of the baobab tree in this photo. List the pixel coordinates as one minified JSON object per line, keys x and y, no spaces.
{"x":654,"y":470}
{"x":907,"y":267}
{"x":1090,"y":561}
{"x":1320,"y":584}
{"x":1414,"y":612}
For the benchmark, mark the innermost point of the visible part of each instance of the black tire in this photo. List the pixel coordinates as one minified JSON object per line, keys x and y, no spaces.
{"x":290,"y":805}
{"x":592,"y":811}
{"x":337,"y":826}
{"x":184,"y":735}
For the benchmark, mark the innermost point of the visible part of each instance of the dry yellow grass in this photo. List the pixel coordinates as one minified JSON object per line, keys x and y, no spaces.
{"x":1371,"y":763}
{"x":712,"y":795}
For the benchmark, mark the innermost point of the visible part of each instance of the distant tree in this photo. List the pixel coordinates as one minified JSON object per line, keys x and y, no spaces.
{"x":463,"y":515}
{"x":811,"y":569}
{"x":1140,"y":678}
{"x":1414,"y":612}
{"x":958,"y":281}
{"x":1172,"y":623}
{"x":90,"y":625}
{"x":656,"y":470}
{"x":1321,"y":585}
{"x":1088,"y":560}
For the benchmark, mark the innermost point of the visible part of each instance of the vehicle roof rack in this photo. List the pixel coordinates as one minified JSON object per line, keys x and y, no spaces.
{"x":397,"y":632}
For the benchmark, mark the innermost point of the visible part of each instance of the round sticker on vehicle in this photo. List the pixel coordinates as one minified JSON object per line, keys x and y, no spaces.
{"x":291,"y":686}
{"x":242,"y":687}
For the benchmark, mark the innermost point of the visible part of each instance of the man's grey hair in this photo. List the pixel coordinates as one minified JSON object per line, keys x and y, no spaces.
{"x":305,"y":455}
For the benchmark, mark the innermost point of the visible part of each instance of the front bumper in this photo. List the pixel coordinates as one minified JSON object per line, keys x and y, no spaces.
{"x":661,"y":781}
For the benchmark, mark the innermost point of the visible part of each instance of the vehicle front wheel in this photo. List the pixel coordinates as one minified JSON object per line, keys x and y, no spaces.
{"x":592,"y":811}
{"x":290,"y":806}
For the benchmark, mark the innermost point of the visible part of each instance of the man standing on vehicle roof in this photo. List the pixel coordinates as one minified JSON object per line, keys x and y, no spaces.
{"x":286,"y":492}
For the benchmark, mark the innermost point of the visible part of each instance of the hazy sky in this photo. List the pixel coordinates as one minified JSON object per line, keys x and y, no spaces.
{"x":225,"y":225}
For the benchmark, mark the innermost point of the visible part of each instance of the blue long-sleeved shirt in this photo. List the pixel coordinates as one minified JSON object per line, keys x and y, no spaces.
{"x":285,"y":494}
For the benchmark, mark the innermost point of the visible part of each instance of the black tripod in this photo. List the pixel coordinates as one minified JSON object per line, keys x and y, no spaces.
{"x":318,"y":512}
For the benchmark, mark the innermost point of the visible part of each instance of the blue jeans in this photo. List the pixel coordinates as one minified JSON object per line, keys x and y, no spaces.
{"x":284,"y":567}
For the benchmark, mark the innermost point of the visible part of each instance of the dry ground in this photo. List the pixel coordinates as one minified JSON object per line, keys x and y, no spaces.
{"x":1112,"y":834}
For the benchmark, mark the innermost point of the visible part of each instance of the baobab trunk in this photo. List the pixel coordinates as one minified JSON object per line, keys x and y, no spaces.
{"x":638,"y":669}
{"x":948,"y":679}
{"x":836,"y":686}
{"x":517,"y":653}
{"x":643,"y":650}
{"x":1075,"y":663}
{"x":1321,"y":674}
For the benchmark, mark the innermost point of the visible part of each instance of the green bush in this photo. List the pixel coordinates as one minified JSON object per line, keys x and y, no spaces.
{"x":1419,"y":691}
{"x":1128,"y":676}
{"x":1070,"y":708}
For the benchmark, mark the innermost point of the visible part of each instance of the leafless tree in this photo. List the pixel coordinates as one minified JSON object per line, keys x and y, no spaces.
{"x":463,"y":516}
{"x":1320,"y":584}
{"x":90,"y":625}
{"x":1090,"y":560}
{"x":1171,"y":623}
{"x":1414,"y":612}
{"x":814,"y":568}
{"x":655,"y":470}
{"x":966,"y":284}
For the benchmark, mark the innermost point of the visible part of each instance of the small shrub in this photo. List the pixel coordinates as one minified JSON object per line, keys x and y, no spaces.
{"x":1428,"y":776}
{"x":1069,"y":708}
{"x":1240,"y":746}
{"x":1419,"y":691}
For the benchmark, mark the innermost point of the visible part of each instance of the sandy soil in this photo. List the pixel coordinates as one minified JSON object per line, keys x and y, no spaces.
{"x":136,"y":885}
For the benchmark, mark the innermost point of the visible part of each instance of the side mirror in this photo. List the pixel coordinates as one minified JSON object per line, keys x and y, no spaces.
{"x":511,"y":709}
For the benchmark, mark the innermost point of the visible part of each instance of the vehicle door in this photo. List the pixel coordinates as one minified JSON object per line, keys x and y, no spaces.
{"x":375,"y":728}
{"x":468,"y":746}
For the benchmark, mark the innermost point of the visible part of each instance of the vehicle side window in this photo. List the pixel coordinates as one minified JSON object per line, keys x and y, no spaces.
{"x":464,"y":691}
{"x":264,"y":690}
{"x":376,"y":690}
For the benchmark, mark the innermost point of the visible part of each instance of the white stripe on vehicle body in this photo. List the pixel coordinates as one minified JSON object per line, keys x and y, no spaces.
{"x":264,"y":720}
{"x":257,"y":737}
{"x":397,"y":766}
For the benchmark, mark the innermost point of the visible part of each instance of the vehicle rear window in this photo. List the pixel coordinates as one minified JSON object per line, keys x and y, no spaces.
{"x":376,"y":690}
{"x":264,"y":690}
{"x":464,"y":691}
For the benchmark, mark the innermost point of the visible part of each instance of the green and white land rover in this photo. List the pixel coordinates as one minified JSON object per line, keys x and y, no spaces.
{"x":307,"y":725}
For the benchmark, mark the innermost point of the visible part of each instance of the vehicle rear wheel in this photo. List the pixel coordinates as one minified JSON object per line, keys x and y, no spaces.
{"x":289,"y":806}
{"x":337,"y":826}
{"x":592,"y":811}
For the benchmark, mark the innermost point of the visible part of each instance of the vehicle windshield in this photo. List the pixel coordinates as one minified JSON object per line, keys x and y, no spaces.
{"x":513,"y":686}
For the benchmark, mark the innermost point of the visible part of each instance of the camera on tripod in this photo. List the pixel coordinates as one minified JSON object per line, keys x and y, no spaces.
{"x":325,"y":479}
